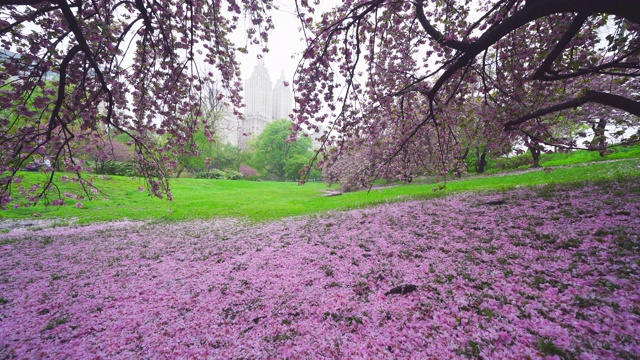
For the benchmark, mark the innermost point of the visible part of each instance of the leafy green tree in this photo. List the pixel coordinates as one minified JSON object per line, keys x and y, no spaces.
{"x":213,"y":155}
{"x":206,"y":150}
{"x":230,"y":157}
{"x":296,"y":164}
{"x":278,"y":156}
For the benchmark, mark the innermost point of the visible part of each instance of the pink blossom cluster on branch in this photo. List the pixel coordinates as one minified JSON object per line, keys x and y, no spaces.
{"x":407,"y":71}
{"x":529,"y":273}
{"x":73,"y":72}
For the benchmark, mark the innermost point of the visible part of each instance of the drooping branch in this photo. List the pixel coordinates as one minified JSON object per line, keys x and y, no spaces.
{"x":62,"y":85}
{"x":571,"y":32}
{"x":28,"y":18}
{"x":608,"y":68}
{"x":533,"y":11}
{"x":84,"y":46}
{"x":434,"y":33}
{"x":590,"y":96}
{"x":145,"y":16}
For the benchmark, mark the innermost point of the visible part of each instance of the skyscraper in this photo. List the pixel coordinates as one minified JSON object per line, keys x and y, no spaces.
{"x":263,"y":103}
{"x":282,"y":100}
{"x":257,"y":91}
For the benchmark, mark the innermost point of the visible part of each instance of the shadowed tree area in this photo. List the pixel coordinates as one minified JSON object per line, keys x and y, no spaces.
{"x":398,"y":75}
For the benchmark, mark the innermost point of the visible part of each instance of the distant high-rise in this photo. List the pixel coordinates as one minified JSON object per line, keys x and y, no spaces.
{"x":257,"y":91}
{"x":282,"y":99}
{"x":263,"y":103}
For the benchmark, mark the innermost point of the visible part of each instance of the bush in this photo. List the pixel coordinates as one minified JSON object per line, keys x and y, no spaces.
{"x":249,"y":173}
{"x":128,"y":169}
{"x":211,"y":174}
{"x":233,"y":175}
{"x":513,"y":162}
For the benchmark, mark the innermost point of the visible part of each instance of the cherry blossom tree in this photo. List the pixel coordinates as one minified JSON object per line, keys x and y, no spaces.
{"x":534,"y":62}
{"x":73,"y":68}
{"x":103,"y":152}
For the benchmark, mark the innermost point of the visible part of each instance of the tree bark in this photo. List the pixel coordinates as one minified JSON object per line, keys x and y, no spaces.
{"x":481,"y":164}
{"x":599,"y":139}
{"x":535,"y":153}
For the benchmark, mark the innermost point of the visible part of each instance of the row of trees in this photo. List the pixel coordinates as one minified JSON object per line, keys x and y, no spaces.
{"x":271,"y":156}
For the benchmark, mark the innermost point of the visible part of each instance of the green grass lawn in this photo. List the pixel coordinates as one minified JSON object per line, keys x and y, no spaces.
{"x":524,"y":161}
{"x":584,"y":156}
{"x":201,"y":198}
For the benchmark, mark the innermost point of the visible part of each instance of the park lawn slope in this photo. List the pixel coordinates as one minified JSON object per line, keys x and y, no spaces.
{"x":125,"y":198}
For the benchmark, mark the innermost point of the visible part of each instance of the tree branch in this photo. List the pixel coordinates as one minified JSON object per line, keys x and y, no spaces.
{"x":84,"y":46}
{"x":29,"y":17}
{"x":434,"y":33}
{"x":575,"y":27}
{"x":590,"y":96}
{"x":61,"y":88}
{"x":532,"y":11}
{"x":145,"y":15}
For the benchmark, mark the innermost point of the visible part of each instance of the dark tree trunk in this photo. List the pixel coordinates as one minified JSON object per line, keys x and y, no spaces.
{"x":481,"y":165}
{"x":461,"y":164}
{"x":599,"y":139}
{"x":535,"y":153}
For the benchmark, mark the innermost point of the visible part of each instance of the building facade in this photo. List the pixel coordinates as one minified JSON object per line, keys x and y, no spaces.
{"x":257,"y":91}
{"x":282,"y":100}
{"x":264,"y":103}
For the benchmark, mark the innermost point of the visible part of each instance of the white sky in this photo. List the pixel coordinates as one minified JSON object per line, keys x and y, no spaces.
{"x":285,"y":45}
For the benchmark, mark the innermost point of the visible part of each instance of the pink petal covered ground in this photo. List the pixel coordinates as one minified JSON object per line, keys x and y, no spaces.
{"x":550,"y":272}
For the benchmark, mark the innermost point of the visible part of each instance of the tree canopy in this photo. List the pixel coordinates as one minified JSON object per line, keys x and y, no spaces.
{"x":394,"y":77}
{"x":277,"y":155}
{"x":77,"y":69}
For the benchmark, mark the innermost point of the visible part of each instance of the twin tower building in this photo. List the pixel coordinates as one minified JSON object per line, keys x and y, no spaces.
{"x":264,"y":103}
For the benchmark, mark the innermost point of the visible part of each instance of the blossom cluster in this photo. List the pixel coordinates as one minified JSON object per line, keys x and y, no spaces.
{"x":529,"y":273}
{"x":66,"y":83}
{"x":413,"y":82}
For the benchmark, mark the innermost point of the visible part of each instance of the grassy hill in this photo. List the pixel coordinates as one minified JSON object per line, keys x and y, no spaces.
{"x":121,"y":197}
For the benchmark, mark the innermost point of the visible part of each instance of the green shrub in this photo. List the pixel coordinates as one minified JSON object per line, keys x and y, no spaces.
{"x":128,"y":169}
{"x":513,"y":162}
{"x":233,"y":175}
{"x":211,"y":174}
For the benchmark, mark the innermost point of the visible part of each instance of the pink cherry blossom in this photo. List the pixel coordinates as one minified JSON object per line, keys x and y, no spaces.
{"x":546,"y":272}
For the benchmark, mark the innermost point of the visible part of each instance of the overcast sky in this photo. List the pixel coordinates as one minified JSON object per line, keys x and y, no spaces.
{"x":285,"y":41}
